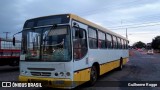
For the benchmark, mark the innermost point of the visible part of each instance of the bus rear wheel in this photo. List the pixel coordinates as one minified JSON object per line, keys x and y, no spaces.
{"x":121,"y":64}
{"x":93,"y":76}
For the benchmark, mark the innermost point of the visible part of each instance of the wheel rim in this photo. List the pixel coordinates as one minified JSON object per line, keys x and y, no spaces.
{"x":93,"y":75}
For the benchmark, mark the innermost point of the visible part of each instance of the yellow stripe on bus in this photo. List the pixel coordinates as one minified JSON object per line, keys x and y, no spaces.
{"x":81,"y":76}
{"x":109,"y":66}
{"x":104,"y":68}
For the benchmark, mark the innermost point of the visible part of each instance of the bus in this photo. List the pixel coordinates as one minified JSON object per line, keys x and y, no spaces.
{"x":9,"y":54}
{"x":65,"y":51}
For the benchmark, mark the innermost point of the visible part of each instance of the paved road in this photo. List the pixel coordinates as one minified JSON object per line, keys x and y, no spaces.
{"x":141,"y":67}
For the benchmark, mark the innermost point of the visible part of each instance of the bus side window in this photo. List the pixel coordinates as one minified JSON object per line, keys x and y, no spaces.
{"x":93,"y":41}
{"x":124,"y":44}
{"x":115,"y":42}
{"x":79,"y":45}
{"x":101,"y":40}
{"x":109,"y":41}
{"x":119,"y":43}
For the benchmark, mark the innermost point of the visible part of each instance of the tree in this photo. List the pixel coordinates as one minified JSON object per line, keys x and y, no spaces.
{"x":139,"y":45}
{"x":156,"y":43}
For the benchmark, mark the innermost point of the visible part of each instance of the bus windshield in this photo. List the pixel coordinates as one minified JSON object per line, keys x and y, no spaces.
{"x":47,"y":44}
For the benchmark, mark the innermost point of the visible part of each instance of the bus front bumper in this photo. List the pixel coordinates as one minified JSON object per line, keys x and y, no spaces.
{"x":48,"y":82}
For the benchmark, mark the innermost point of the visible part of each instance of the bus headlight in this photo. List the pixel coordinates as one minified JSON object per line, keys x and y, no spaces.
{"x":56,"y":74}
{"x":62,"y":73}
{"x":68,"y":74}
{"x":24,"y":72}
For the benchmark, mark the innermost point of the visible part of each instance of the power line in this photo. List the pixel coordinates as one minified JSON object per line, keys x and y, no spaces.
{"x":111,"y":5}
{"x":139,"y":33}
{"x":135,"y":26}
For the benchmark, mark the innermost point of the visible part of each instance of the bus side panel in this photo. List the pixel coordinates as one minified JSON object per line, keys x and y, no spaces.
{"x":108,"y":59}
{"x":104,"y":68}
{"x":81,"y":76}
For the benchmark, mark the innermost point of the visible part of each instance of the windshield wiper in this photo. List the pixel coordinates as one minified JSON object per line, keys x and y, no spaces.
{"x":61,"y":43}
{"x":53,"y":27}
{"x":44,"y":40}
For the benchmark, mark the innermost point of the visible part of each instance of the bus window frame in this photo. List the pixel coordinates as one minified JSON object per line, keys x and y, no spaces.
{"x":115,"y":43}
{"x":119,"y":43}
{"x":91,"y":28}
{"x":99,"y":46}
{"x":85,"y":34}
{"x":107,"y":40}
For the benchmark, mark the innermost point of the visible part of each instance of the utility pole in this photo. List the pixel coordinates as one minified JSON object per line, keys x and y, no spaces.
{"x":126,"y":34}
{"x":6,"y":34}
{"x":126,"y":29}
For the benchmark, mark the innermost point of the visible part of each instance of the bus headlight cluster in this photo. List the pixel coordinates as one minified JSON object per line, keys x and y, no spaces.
{"x":24,"y":72}
{"x":68,"y":74}
{"x":62,"y":74}
{"x":56,"y":74}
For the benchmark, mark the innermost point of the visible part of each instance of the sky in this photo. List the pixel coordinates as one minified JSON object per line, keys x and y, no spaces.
{"x":141,"y":18}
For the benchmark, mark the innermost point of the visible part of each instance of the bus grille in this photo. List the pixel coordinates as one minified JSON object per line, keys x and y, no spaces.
{"x":41,"y":73}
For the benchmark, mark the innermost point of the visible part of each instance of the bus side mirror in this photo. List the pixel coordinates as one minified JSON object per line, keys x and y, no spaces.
{"x":14,"y":40}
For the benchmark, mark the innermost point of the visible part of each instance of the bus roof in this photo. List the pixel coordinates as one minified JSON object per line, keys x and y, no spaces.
{"x":95,"y":25}
{"x":75,"y":17}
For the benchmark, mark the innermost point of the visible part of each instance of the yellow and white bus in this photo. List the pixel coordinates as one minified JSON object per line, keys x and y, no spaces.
{"x":65,"y":51}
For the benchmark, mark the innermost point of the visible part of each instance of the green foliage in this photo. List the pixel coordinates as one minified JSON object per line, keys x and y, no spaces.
{"x":139,"y":44}
{"x":156,"y":43}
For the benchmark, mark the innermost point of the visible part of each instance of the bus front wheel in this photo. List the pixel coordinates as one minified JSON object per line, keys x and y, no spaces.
{"x":93,"y":75}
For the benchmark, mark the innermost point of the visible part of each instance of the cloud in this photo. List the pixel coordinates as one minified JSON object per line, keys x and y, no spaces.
{"x":106,"y":13}
{"x":141,"y":9}
{"x":7,"y":16}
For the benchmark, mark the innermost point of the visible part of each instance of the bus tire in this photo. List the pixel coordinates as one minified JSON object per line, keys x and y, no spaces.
{"x":93,"y":75}
{"x":14,"y":63}
{"x":121,"y":64}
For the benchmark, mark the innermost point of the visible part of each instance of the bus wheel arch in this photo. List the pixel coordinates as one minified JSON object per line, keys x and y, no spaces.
{"x":94,"y":73}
